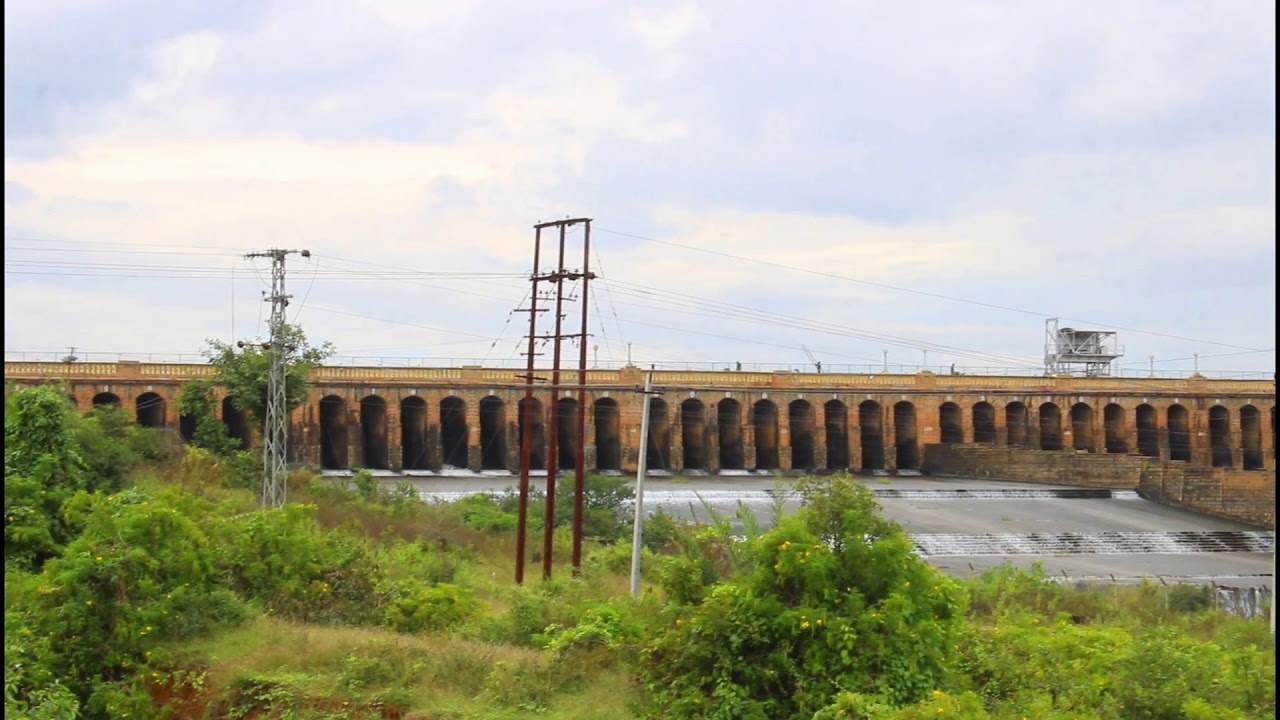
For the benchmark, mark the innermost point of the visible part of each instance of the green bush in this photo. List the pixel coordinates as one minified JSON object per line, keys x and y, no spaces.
{"x":600,"y":627}
{"x":140,"y":573}
{"x":197,"y":400}
{"x":659,"y":531}
{"x":283,"y":559}
{"x":484,"y":512}
{"x":838,"y":601}
{"x":430,"y":608}
{"x":1190,"y":598}
{"x":1022,"y":664}
{"x":616,"y":559}
{"x":606,"y":502}
{"x":418,"y":562}
{"x":43,"y":468}
{"x":108,"y":443}
{"x":32,"y":691}
{"x":365,"y":484}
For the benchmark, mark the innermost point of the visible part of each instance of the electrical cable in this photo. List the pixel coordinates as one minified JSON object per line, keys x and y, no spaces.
{"x":600,"y":264}
{"x":316,"y":262}
{"x":793,"y":321}
{"x":923,"y":293}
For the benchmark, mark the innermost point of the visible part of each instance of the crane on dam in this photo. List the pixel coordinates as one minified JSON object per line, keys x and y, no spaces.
{"x":817,"y":364}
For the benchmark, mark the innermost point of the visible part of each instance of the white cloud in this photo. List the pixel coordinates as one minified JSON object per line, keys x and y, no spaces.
{"x":1075,"y":160}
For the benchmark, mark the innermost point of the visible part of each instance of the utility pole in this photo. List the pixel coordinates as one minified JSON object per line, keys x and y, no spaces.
{"x":526,"y":432}
{"x":580,"y":446}
{"x":556,"y":278}
{"x":641,"y":467}
{"x":276,"y":431}
{"x":553,"y":439}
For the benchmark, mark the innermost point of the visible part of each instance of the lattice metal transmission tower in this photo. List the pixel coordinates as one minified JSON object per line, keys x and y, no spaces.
{"x":275,"y":435}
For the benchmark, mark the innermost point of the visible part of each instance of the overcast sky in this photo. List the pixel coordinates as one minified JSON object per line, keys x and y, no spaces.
{"x":945,"y":174}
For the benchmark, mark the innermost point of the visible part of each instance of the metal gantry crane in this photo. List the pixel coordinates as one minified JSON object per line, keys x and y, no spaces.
{"x":817,"y":364}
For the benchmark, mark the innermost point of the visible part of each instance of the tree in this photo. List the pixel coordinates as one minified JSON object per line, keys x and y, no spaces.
{"x":244,"y":369}
{"x":198,"y":401}
{"x":43,"y":467}
{"x":836,"y":601}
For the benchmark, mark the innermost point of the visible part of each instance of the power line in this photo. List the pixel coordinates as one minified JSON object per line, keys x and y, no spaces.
{"x":792,"y":321}
{"x":697,"y":313}
{"x":235,"y":251}
{"x":315,"y":270}
{"x":122,"y":252}
{"x":145,"y":270}
{"x":1198,"y":357}
{"x":400,"y":322}
{"x":621,"y":336}
{"x":503,"y":331}
{"x":924,"y":293}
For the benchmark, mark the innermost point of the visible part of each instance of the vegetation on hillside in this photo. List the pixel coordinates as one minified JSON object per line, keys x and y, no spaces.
{"x":142,"y":585}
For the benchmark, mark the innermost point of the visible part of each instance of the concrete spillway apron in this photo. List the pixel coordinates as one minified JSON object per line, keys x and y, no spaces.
{"x":641,"y":467}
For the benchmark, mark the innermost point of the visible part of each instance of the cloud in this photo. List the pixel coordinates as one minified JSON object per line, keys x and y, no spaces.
{"x":1110,"y":162}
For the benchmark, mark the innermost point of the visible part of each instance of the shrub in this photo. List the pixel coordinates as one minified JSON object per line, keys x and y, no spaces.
{"x":484,"y":512}
{"x":606,"y":501}
{"x":197,"y":401}
{"x":1190,"y":598}
{"x":616,"y":559}
{"x":31,"y":689}
{"x":43,"y":468}
{"x":366,"y":485}
{"x":600,"y":627}
{"x":107,"y":443}
{"x":283,"y":559}
{"x":659,"y":531}
{"x":430,"y":608}
{"x":838,"y":601}
{"x":418,"y":562}
{"x":141,"y":572}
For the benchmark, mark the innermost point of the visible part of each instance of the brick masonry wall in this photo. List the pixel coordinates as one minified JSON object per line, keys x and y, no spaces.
{"x":1245,"y":495}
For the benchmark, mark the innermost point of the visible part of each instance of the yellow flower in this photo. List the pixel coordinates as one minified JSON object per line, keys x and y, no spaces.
{"x":805,"y":625}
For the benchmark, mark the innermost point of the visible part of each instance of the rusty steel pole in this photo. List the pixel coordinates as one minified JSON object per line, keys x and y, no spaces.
{"x":637,"y":527}
{"x":522,"y":513}
{"x":580,"y":454}
{"x":553,"y":460}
